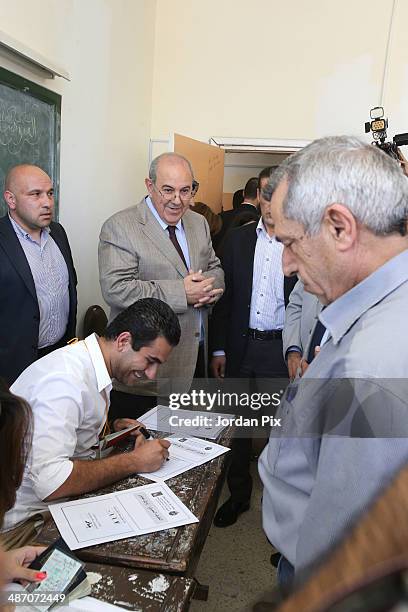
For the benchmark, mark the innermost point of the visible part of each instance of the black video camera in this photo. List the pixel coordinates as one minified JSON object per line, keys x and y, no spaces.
{"x":378,"y":127}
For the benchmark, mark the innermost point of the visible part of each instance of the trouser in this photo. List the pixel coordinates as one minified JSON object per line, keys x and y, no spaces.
{"x":128,"y":405}
{"x":52,"y":347}
{"x":263,"y":359}
{"x":24,"y":533}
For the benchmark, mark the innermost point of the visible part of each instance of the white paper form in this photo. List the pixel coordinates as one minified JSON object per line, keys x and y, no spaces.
{"x":186,"y":453}
{"x":123,"y":514}
{"x":200,"y":424}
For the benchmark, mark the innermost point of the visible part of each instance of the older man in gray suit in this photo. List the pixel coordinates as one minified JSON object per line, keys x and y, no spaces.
{"x":159,"y":248}
{"x":301,"y":318}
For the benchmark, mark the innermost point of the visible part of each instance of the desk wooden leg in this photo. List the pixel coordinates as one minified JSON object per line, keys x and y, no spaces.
{"x":201,"y":591}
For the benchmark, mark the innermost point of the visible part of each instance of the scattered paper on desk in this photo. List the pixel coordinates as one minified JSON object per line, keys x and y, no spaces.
{"x":200,"y":424}
{"x":123,"y":514}
{"x":186,"y":453}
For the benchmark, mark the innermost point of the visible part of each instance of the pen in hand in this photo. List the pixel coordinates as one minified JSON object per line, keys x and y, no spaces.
{"x":144,"y":431}
{"x":147,"y":435}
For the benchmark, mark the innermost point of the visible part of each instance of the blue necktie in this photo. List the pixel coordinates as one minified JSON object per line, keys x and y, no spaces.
{"x":316,"y":339}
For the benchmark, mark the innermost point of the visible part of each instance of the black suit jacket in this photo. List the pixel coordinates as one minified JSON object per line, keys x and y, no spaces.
{"x":19,"y":311}
{"x":230,"y":318}
{"x":228,"y":217}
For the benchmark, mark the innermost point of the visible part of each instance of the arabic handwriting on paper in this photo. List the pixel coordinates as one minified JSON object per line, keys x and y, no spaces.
{"x":100,"y":516}
{"x":150,"y":508}
{"x":166,"y":504}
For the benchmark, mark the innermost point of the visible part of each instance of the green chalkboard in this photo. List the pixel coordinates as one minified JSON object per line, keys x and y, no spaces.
{"x":30,"y":118}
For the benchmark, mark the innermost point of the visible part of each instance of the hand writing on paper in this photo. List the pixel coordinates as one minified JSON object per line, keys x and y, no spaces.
{"x":149,"y":455}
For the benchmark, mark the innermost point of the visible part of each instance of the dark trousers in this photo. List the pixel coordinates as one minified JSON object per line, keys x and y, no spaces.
{"x":263,"y":359}
{"x":127,"y":405}
{"x":200,"y":370}
{"x":52,"y":347}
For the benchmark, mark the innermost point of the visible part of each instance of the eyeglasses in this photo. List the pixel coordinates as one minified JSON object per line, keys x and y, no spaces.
{"x":195,"y":187}
{"x":168,"y":193}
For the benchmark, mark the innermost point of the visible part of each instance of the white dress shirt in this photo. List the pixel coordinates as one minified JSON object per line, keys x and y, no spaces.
{"x":267,"y":300}
{"x":68,"y":391}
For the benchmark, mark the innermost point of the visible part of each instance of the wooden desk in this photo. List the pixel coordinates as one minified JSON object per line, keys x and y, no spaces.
{"x":141,"y":590}
{"x":173,"y":550}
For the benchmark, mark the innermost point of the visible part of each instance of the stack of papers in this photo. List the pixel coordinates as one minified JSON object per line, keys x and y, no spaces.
{"x":196,"y":423}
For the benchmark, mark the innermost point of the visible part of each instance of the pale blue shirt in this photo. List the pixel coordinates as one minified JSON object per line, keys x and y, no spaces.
{"x":344,"y":431}
{"x":51,"y":281}
{"x":180,"y":233}
{"x":267,"y":301}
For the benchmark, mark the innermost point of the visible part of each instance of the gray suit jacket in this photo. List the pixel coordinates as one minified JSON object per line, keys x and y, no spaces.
{"x":136,"y":260}
{"x":300,"y":319}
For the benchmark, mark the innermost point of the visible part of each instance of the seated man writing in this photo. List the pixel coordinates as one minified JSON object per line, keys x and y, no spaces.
{"x":68,"y":391}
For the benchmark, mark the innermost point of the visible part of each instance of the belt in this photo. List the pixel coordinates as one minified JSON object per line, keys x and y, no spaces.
{"x":270,"y":334}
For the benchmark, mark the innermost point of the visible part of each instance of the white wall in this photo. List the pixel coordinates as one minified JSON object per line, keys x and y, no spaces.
{"x":239,"y":167}
{"x":140,"y":68}
{"x":107,"y":47}
{"x":276,"y":69}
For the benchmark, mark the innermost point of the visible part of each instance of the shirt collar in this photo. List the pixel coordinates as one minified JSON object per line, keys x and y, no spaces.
{"x":339,"y":316}
{"x":24,"y":234}
{"x":249,"y":204}
{"x":154,"y":212}
{"x":101,"y":371}
{"x":260,"y":229}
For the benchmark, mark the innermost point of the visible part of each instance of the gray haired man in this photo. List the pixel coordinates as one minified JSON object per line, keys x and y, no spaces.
{"x":160,"y":248}
{"x":340,"y":209}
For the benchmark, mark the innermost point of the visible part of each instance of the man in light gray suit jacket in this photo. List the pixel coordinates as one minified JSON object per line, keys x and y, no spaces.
{"x":300,"y":320}
{"x":159,"y":248}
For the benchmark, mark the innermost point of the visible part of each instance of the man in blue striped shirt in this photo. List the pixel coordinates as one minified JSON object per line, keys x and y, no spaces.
{"x":38,"y":302}
{"x":246,"y":332}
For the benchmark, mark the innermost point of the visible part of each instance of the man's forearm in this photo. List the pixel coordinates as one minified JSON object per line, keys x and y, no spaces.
{"x":90,"y":475}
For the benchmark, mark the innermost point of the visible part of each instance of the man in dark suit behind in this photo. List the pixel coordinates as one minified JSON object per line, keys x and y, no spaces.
{"x":242,"y":211}
{"x":246,"y":330}
{"x":38,"y":301}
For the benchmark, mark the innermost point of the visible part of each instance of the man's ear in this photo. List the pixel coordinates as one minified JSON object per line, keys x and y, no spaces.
{"x":10,"y":199}
{"x":148,"y":184}
{"x":123,"y":341}
{"x":341,"y":225}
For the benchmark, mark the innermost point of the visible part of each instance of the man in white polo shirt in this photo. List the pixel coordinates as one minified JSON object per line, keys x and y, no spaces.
{"x":68,"y":391}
